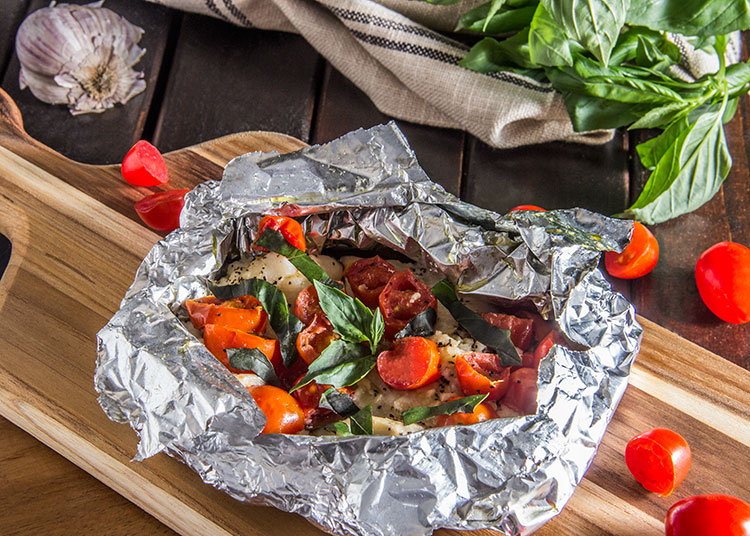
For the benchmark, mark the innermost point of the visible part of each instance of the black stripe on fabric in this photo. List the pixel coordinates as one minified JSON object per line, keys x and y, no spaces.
{"x":234,"y":10}
{"x":215,"y":10}
{"x":441,"y":56}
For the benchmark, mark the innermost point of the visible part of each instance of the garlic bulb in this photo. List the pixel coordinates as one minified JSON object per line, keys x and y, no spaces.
{"x":82,"y":56}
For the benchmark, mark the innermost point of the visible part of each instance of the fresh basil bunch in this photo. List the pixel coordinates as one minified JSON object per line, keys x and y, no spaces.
{"x":612,"y":61}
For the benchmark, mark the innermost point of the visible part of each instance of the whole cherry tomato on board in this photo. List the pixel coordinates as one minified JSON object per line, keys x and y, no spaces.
{"x":528,"y":207}
{"x":723,"y":278}
{"x":637,"y":259}
{"x":658,"y":459}
{"x":244,"y":313}
{"x":368,"y":278}
{"x":403,"y":298}
{"x":482,"y":412}
{"x":290,"y":229}
{"x":283,"y":413}
{"x":161,"y":211}
{"x":144,"y":166}
{"x":709,"y":515}
{"x":482,"y":373}
{"x":411,"y":363}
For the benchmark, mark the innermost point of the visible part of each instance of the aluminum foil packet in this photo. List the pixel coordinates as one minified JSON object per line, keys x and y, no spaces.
{"x":367,"y":190}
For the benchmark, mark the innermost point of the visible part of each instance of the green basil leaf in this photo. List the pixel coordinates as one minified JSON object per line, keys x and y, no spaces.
{"x":738,"y":78}
{"x":338,"y":402}
{"x":499,"y":20}
{"x":592,"y":113}
{"x":361,"y":422}
{"x":342,"y":363}
{"x":377,"y":329}
{"x":490,"y":55}
{"x":253,"y":360}
{"x":661,"y":116}
{"x":350,"y":317}
{"x":275,"y":241}
{"x":422,"y":325}
{"x":548,"y":43}
{"x":690,"y":17}
{"x":338,"y":428}
{"x":461,"y":405}
{"x":652,"y":150}
{"x":730,"y":110}
{"x":496,"y":338}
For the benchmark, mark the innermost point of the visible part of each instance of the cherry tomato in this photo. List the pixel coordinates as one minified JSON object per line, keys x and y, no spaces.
{"x":244,"y":313}
{"x":315,"y":338}
{"x":403,"y":298}
{"x":283,"y":414}
{"x":637,"y":259}
{"x":658,"y":459}
{"x":161,"y":211}
{"x":309,"y":400}
{"x":527,"y":207}
{"x":521,"y":395}
{"x":144,"y":166}
{"x":521,"y":329}
{"x":411,"y":363}
{"x":482,"y":373}
{"x":723,"y":278}
{"x":532,"y":360}
{"x":368,"y":278}
{"x":307,"y":305}
{"x":217,"y":339}
{"x":290,"y":229}
{"x":709,"y":515}
{"x":481,"y":413}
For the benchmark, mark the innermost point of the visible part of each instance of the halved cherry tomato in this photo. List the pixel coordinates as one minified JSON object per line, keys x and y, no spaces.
{"x":403,"y":298}
{"x":482,"y":373}
{"x":532,"y":360}
{"x":309,"y":400}
{"x":290,"y":229}
{"x":411,"y":363}
{"x":521,"y":329}
{"x":244,"y":313}
{"x":283,"y":414}
{"x":521,"y":395}
{"x":722,"y":274}
{"x":144,"y":165}
{"x":528,"y":207}
{"x":709,"y":515}
{"x":307,"y":305}
{"x":217,"y":339}
{"x":315,"y":338}
{"x":637,"y":259}
{"x":482,"y":412}
{"x":658,"y":459}
{"x":368,"y":278}
{"x":161,"y":211}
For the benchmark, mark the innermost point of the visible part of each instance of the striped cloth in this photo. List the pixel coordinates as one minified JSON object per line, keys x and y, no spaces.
{"x":391,"y":50}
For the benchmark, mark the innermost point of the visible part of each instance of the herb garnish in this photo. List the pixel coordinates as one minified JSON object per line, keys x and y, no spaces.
{"x":342,"y":363}
{"x":422,"y":325}
{"x":351,"y":318}
{"x":359,"y":424}
{"x":338,"y":402}
{"x":253,"y":360}
{"x":460,"y":405}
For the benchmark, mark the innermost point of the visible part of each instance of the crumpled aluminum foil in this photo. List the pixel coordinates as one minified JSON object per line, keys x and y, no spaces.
{"x":366,"y":189}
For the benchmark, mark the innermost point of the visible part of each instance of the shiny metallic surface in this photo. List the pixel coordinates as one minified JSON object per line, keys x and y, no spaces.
{"x":362,"y":190}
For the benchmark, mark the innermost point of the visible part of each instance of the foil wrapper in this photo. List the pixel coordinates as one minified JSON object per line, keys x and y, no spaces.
{"x":367,"y":190}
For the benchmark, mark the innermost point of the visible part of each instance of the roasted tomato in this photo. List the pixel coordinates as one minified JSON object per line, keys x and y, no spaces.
{"x":144,"y":165}
{"x":521,"y":395}
{"x":411,"y":363}
{"x":315,"y":338}
{"x":532,"y":359}
{"x":368,"y":278}
{"x":482,"y":373}
{"x":161,"y":211}
{"x":309,"y":400}
{"x":709,"y":515}
{"x":521,"y":329}
{"x":217,"y":339}
{"x":290,"y":229}
{"x":403,"y":298}
{"x":723,"y":278}
{"x":637,"y":259}
{"x":307,"y":305}
{"x":528,"y":207}
{"x":244,"y":313}
{"x":283,"y":414}
{"x":481,"y":413}
{"x":658,"y":459}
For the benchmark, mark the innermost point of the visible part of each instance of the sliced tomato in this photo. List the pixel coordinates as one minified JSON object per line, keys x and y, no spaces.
{"x":368,"y":278}
{"x":637,"y":259}
{"x":307,"y":305}
{"x":315,"y":338}
{"x":283,"y":413}
{"x":403,"y":298}
{"x":482,"y":373}
{"x":161,"y":211}
{"x":521,"y":329}
{"x":217,"y":339}
{"x":521,"y":395}
{"x":144,"y":165}
{"x":528,"y":207}
{"x":482,"y":412}
{"x":658,"y":459}
{"x":244,"y":313}
{"x":309,"y":400}
{"x":708,"y":515}
{"x":411,"y":363}
{"x":290,"y":229}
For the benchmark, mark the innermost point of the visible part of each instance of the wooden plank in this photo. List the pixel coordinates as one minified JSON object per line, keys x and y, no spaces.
{"x":106,"y":137}
{"x":343,"y":107}
{"x":13,"y":12}
{"x":227,"y":79}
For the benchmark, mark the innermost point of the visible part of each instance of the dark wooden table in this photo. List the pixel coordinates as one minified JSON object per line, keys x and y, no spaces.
{"x":207,"y":78}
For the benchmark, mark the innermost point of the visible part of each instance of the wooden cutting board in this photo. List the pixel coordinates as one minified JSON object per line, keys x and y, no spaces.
{"x":76,"y":245}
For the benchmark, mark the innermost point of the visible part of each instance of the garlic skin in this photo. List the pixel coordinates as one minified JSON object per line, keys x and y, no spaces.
{"x":82,"y":56}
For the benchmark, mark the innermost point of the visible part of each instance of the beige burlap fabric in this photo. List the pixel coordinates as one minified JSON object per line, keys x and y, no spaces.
{"x":390,"y":51}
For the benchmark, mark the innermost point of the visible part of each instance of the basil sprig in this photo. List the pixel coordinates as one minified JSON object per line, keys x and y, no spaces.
{"x":359,"y":424}
{"x":496,"y":338}
{"x":342,"y":363}
{"x":338,"y":402}
{"x":351,"y":318}
{"x":253,"y":360}
{"x":466,"y":404}
{"x":284,"y":324}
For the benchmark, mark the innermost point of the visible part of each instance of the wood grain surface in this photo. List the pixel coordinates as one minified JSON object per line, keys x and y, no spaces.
{"x":75,"y":250}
